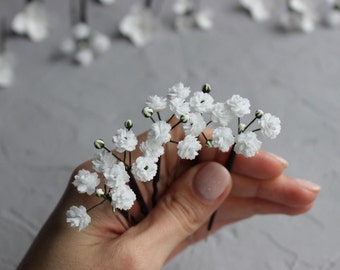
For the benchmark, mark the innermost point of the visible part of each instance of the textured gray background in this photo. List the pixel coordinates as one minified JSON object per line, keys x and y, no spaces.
{"x":54,"y":111}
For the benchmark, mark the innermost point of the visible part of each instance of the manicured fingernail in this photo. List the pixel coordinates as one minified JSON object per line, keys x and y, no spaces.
{"x":211,"y":181}
{"x":281,"y":159}
{"x":308,"y":185}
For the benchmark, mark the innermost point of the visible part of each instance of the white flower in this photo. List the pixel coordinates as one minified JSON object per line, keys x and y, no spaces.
{"x":222,"y":137}
{"x":116,"y":175}
{"x":238,"y":105}
{"x":33,"y":22}
{"x":180,"y":7}
{"x":139,"y":25}
{"x":86,"y":182}
{"x":178,"y":91}
{"x":203,"y":19}
{"x":100,"y":43}
{"x":84,"y":57}
{"x":201,"y":102}
{"x":195,"y":125}
{"x":189,"y":147}
{"x":270,"y":125}
{"x":247,"y":144}
{"x":81,"y":31}
{"x":160,"y":132}
{"x":179,"y":107}
{"x":221,"y":114}
{"x":103,"y":161}
{"x":258,"y":9}
{"x":124,"y":140}
{"x":122,"y":197}
{"x":144,"y":168}
{"x":78,"y":217}
{"x":156,"y":103}
{"x":68,"y":46}
{"x":6,"y":70}
{"x":151,"y":149}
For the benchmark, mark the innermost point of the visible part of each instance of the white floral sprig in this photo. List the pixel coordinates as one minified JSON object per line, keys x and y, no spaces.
{"x":258,"y":9}
{"x":32,"y":22}
{"x":193,"y":113}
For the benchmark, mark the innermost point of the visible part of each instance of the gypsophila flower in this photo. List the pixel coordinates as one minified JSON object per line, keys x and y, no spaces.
{"x":86,"y":182}
{"x":203,"y":19}
{"x":238,"y":105}
{"x":181,"y":6}
{"x":160,"y":132}
{"x":222,"y":137}
{"x":78,"y":217}
{"x":124,"y":140}
{"x":258,"y":9}
{"x":270,"y":125}
{"x":179,"y":107}
{"x":151,"y":149}
{"x":178,"y":91}
{"x":122,"y":197}
{"x":247,"y":144}
{"x":116,"y":175}
{"x":201,"y":102}
{"x":100,"y":43}
{"x":156,"y":103}
{"x":81,"y":30}
{"x":144,"y":168}
{"x":84,"y":57}
{"x":102,"y":161}
{"x":189,"y":147}
{"x":221,"y":114}
{"x":100,"y":192}
{"x":195,"y":125}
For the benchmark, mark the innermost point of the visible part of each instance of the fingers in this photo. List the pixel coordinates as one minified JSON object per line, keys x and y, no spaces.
{"x":185,"y":207}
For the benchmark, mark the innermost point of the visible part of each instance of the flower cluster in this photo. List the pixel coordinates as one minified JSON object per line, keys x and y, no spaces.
{"x":195,"y":114}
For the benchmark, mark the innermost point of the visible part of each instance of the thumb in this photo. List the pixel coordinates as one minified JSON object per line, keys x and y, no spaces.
{"x":184,"y":208}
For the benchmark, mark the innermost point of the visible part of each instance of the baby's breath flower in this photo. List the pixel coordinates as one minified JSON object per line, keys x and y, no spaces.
{"x":86,"y":182}
{"x":122,"y":197}
{"x":124,"y":140}
{"x":100,"y":192}
{"x":84,"y":57}
{"x":78,"y":217}
{"x":222,"y":137}
{"x":100,"y":43}
{"x":156,"y":103}
{"x":239,"y":105}
{"x":151,"y":149}
{"x":81,"y":31}
{"x":160,"y":132}
{"x":144,"y":168}
{"x":195,"y":125}
{"x":189,"y":147}
{"x":221,"y":114}
{"x":270,"y":125}
{"x":258,"y":9}
{"x":247,"y":144}
{"x":102,"y":161}
{"x":178,"y":91}
{"x":201,"y":102}
{"x":116,"y":175}
{"x":179,"y":107}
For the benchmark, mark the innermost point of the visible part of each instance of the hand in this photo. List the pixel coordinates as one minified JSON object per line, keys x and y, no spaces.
{"x":188,"y":196}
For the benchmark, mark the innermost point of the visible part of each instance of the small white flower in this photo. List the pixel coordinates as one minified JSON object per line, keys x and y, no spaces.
{"x":151,"y":149}
{"x":116,"y":175}
{"x":238,"y":105}
{"x":78,"y":217}
{"x":247,"y":144}
{"x":270,"y":125}
{"x":222,"y":137}
{"x":195,"y":125}
{"x":160,"y":132}
{"x":84,"y":57}
{"x":86,"y":182}
{"x":100,"y":43}
{"x":179,"y":107}
{"x":33,"y":22}
{"x":124,"y":140}
{"x":122,"y":197}
{"x":6,"y":70}
{"x":203,"y":19}
{"x":221,"y":114}
{"x":201,"y":102}
{"x":178,"y":91}
{"x":180,"y":7}
{"x":258,"y":9}
{"x":144,"y":168}
{"x":189,"y":147}
{"x":156,"y":103}
{"x":68,"y":46}
{"x":139,"y":25}
{"x":103,"y":161}
{"x":81,"y":31}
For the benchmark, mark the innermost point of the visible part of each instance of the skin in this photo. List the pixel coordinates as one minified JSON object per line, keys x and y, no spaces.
{"x":255,"y":186}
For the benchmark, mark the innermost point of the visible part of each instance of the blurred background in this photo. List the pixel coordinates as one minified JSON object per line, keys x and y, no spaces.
{"x":54,"y":110}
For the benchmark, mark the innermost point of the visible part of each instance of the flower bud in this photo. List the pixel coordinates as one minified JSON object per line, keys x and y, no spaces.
{"x":209,"y":144}
{"x":100,"y":192}
{"x":99,"y":144}
{"x":184,"y":118}
{"x":128,"y":124}
{"x":259,"y":114}
{"x":147,"y":112}
{"x":206,"y":88}
{"x":241,"y":127}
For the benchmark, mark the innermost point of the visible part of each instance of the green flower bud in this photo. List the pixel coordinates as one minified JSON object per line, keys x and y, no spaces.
{"x":184,"y":118}
{"x":147,"y":112}
{"x":128,"y":124}
{"x":209,"y":144}
{"x":241,"y":127}
{"x":99,"y":144}
{"x":259,"y":114}
{"x":206,"y":88}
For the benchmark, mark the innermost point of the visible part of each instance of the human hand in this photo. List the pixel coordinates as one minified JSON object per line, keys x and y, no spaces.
{"x":188,"y":195}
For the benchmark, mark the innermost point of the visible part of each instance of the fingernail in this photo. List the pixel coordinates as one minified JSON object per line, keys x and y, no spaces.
{"x":211,"y":181}
{"x":308,"y":185}
{"x":281,"y":159}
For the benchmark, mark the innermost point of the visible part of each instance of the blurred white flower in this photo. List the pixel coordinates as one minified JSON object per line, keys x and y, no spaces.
{"x":139,"y":25}
{"x":247,"y":144}
{"x":203,"y":19}
{"x":86,"y":182}
{"x":188,"y":148}
{"x":258,"y":9}
{"x":178,"y":91}
{"x":201,"y":102}
{"x":106,"y":2}
{"x":100,"y":43}
{"x":151,"y":149}
{"x":80,"y":31}
{"x":6,"y":70}
{"x":84,"y":56}
{"x":68,"y":46}
{"x":144,"y":169}
{"x":238,"y":105}
{"x":180,"y":7}
{"x":222,"y":137}
{"x":124,"y":140}
{"x":122,"y":197}
{"x":32,"y":21}
{"x":332,"y":16}
{"x":103,"y":161}
{"x":77,"y":217}
{"x":156,"y":103}
{"x":270,"y":125}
